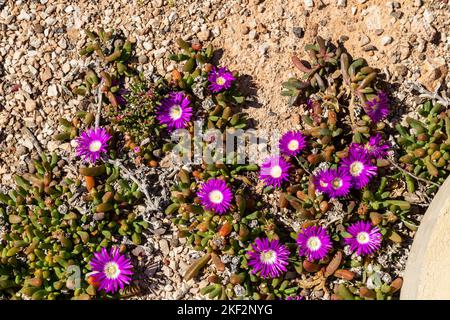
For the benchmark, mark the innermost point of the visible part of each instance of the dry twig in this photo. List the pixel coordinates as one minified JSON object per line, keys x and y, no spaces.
{"x":424,"y":93}
{"x":412,"y":175}
{"x":141,"y":185}
{"x":36,"y":143}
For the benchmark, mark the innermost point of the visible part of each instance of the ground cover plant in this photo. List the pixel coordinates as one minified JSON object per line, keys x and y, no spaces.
{"x":322,"y":217}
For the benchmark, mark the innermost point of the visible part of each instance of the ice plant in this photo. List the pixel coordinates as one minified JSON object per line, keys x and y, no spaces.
{"x":365,"y":239}
{"x":292,"y":143}
{"x":340,"y":183}
{"x":314,"y":242}
{"x":220,"y":79}
{"x":375,"y":147}
{"x":175,"y":111}
{"x":359,"y":166}
{"x":92,"y":144}
{"x":377,"y":108}
{"x":269,"y":257}
{"x":274,"y":171}
{"x":111,"y":270}
{"x":215,"y":195}
{"x":322,"y":180}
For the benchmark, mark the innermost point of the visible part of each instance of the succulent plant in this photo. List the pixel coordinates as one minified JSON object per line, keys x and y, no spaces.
{"x":50,"y":233}
{"x":115,"y":53}
{"x":133,"y":99}
{"x":225,"y":236}
{"x":194,"y":74}
{"x":425,"y":143}
{"x":335,"y":90}
{"x":332,"y":77}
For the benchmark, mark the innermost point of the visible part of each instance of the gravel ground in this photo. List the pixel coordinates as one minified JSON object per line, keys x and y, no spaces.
{"x":39,"y":42}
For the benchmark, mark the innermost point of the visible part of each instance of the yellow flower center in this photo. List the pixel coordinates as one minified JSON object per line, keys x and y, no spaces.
{"x":176,"y":112}
{"x":363,"y":237}
{"x":111,"y":270}
{"x":323,"y":183}
{"x":314,"y":243}
{"x":220,"y":81}
{"x":293,"y":145}
{"x":336,"y":183}
{"x":356,"y":168}
{"x":95,"y":146}
{"x":276,"y":171}
{"x":216,"y":196}
{"x":268,"y":256}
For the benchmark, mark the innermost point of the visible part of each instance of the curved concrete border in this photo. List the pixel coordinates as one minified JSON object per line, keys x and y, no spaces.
{"x":427,"y":274}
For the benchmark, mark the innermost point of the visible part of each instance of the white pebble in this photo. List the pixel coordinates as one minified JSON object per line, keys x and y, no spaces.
{"x":342,"y":3}
{"x":309,"y":3}
{"x":52,"y":91}
{"x":386,"y":40}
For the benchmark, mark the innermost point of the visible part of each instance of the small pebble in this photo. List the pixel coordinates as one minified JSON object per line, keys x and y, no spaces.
{"x":386,"y":40}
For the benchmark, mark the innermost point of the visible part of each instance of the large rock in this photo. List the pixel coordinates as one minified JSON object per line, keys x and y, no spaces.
{"x":433,"y":73}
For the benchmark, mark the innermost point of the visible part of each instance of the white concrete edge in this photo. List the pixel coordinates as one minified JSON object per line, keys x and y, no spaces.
{"x":416,"y":270}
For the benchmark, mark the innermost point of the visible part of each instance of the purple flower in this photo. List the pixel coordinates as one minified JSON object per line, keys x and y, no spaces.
{"x":335,"y":183}
{"x":292,"y":143}
{"x":268,"y":257}
{"x":220,"y":79}
{"x":215,"y":195}
{"x":137,"y":149}
{"x":375,"y":148}
{"x":274,"y":171}
{"x":111,"y":270}
{"x":294,"y":298}
{"x":360,"y":168}
{"x":365,"y":238}
{"x":322,"y":180}
{"x":175,"y":111}
{"x":92,"y":144}
{"x":314,"y":243}
{"x":377,"y":108}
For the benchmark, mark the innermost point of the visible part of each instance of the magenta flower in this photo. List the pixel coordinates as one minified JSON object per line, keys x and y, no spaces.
{"x":274,"y":171}
{"x":111,"y":270}
{"x":220,"y":79}
{"x":378,"y":108}
{"x":358,"y":165}
{"x":175,"y":111}
{"x":294,"y":298}
{"x":340,"y":183}
{"x":292,"y":143}
{"x":314,"y":243}
{"x":215,"y":195}
{"x":322,"y":180}
{"x":268,"y":257}
{"x":365,"y":238}
{"x":92,"y":144}
{"x":376,"y":148}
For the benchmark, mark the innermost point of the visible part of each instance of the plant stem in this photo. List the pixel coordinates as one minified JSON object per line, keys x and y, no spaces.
{"x":99,"y":104}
